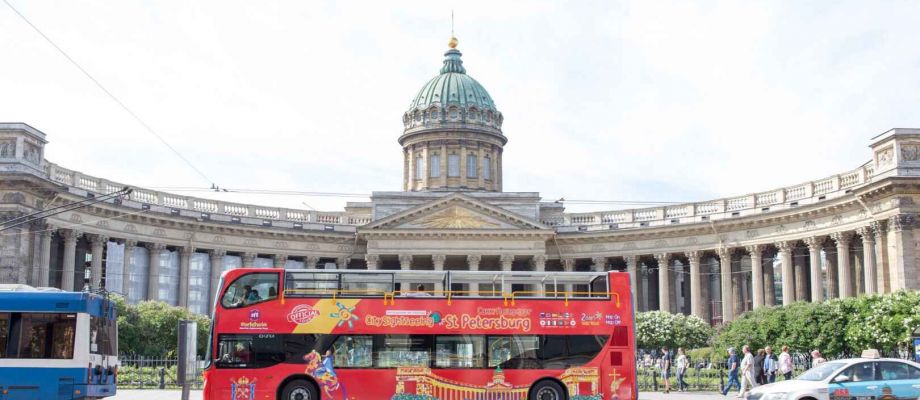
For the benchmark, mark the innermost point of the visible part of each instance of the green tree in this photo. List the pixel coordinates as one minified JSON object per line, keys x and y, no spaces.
{"x":655,"y":329}
{"x":150,"y":328}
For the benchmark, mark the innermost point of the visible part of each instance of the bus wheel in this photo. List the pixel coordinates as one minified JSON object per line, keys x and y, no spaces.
{"x":299,"y":390}
{"x":547,"y":390}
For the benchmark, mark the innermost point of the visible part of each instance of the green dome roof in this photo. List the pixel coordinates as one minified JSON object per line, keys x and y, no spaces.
{"x":453,"y":87}
{"x":453,"y":97}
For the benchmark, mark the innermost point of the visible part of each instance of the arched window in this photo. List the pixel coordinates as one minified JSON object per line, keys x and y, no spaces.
{"x":473,"y":115}
{"x":486,"y":168}
{"x":489,"y":116}
{"x":471,"y":165}
{"x":454,"y":114}
{"x":435,"y":164}
{"x":453,"y":165}
{"x":419,"y":167}
{"x":433,"y":114}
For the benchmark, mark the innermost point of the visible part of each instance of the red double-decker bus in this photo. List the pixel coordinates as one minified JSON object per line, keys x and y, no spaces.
{"x":421,"y":335}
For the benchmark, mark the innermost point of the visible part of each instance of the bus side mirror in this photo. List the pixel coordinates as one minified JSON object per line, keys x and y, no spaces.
{"x":841,"y":379}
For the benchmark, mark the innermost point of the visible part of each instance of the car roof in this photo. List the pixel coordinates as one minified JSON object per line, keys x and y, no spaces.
{"x":861,"y":359}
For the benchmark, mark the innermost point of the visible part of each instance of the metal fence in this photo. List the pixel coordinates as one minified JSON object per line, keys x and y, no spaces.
{"x":712,"y":374}
{"x":149,"y":373}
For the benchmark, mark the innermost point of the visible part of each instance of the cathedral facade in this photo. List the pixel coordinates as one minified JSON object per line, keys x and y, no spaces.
{"x":849,"y":234}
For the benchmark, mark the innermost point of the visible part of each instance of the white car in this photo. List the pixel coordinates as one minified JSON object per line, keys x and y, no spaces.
{"x":868,"y":377}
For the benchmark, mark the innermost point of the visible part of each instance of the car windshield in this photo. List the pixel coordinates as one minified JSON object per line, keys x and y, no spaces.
{"x":821,"y":372}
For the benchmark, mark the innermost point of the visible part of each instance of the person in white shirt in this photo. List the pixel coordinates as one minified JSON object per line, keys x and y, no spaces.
{"x":785,"y":363}
{"x":746,"y":378}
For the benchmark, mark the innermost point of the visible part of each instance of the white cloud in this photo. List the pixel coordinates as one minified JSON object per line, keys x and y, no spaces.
{"x":665,"y":101}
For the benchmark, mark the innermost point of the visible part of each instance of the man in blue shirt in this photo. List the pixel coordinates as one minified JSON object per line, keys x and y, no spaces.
{"x":732,"y":371}
{"x":769,"y":365}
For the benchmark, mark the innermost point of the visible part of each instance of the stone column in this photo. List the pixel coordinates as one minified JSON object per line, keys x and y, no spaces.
{"x":725,"y":273}
{"x":843,"y":263}
{"x":472,"y":262}
{"x":598,"y":264}
{"x":372,"y":261}
{"x":539,"y":263}
{"x":279,"y":260}
{"x":438,"y":262}
{"x":769,"y":287}
{"x":97,"y":247}
{"x":340,"y":262}
{"x":127,"y":262}
{"x":44,"y":274}
{"x":901,"y":264}
{"x":217,"y":264}
{"x":814,"y":258}
{"x":506,"y":261}
{"x":880,"y":229}
{"x":696,"y":295}
{"x":154,"y":251}
{"x":832,"y":292}
{"x":799,"y":264}
{"x":785,"y":255}
{"x":310,"y":262}
{"x":633,"y":279}
{"x":70,"y":259}
{"x":737,"y":285}
{"x":664,"y":282}
{"x":757,"y":286}
{"x":644,"y":288}
{"x":405,"y":262}
{"x":568,"y":265}
{"x":869,"y":267}
{"x":185,"y":258}
{"x":249,"y":259}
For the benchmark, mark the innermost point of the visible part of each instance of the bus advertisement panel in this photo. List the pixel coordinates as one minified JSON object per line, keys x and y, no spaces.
{"x":335,"y":341}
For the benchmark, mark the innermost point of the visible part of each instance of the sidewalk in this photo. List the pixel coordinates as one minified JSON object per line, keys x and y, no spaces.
{"x":683,"y":396}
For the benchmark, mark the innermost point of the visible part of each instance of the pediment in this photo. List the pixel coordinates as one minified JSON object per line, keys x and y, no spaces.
{"x":455,"y":212}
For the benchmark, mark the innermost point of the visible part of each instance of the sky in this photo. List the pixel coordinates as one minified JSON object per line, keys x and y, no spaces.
{"x":621,"y":101}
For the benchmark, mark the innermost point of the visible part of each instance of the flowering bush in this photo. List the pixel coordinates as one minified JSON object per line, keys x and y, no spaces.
{"x":842,"y":326}
{"x":655,"y":329}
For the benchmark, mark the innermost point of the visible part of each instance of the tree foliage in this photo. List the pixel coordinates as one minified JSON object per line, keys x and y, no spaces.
{"x":655,"y":329}
{"x":150,"y":328}
{"x":842,"y":326}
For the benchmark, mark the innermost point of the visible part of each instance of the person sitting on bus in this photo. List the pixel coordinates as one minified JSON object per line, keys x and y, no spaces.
{"x":253,"y":296}
{"x":272,"y":292}
{"x":240,"y":354}
{"x":419,"y":291}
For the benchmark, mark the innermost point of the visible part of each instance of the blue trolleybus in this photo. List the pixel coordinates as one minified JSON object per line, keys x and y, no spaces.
{"x":56,"y":345}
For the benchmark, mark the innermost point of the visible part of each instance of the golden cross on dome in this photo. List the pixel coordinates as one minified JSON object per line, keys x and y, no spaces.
{"x":453,"y":39}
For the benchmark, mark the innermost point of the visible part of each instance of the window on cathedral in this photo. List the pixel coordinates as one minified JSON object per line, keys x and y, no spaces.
{"x":433,"y":114}
{"x":486,"y":168}
{"x":471,"y":166}
{"x":435,"y":164}
{"x":454,"y":114}
{"x":453,"y":165}
{"x":419,"y":167}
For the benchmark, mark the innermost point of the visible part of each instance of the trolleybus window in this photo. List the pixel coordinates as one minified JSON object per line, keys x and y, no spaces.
{"x":250,"y":289}
{"x":103,"y":338}
{"x":47,"y":335}
{"x":4,"y":332}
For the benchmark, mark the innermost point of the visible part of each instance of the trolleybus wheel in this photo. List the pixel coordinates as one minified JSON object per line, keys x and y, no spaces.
{"x":547,"y":390}
{"x":299,"y":389}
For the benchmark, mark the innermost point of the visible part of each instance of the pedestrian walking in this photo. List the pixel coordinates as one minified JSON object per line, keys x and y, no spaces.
{"x":769,"y":365}
{"x":747,"y":362}
{"x":682,"y":364}
{"x":785,"y":363}
{"x":816,"y":358}
{"x":732,"y":365}
{"x":757,"y":368}
{"x":666,"y":369}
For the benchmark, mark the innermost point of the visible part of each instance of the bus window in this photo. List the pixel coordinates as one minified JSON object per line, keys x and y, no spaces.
{"x":4,"y":332}
{"x":464,"y":351}
{"x":47,"y":335}
{"x":354,"y":351}
{"x":514,"y":352}
{"x":296,"y":346}
{"x":250,"y":289}
{"x":102,"y":337}
{"x":404,"y":351}
{"x":583,"y":348}
{"x":249,"y":351}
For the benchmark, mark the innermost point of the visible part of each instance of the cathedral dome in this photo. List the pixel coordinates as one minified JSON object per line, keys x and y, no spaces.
{"x":453,"y":97}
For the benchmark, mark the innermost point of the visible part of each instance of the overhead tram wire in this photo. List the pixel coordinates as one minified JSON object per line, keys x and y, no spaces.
{"x":111,"y":95}
{"x":25,"y":219}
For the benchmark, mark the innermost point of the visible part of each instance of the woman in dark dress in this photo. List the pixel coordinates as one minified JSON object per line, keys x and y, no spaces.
{"x":757,"y":368}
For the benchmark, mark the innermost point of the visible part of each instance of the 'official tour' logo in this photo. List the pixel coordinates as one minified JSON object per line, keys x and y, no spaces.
{"x":302,"y":314}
